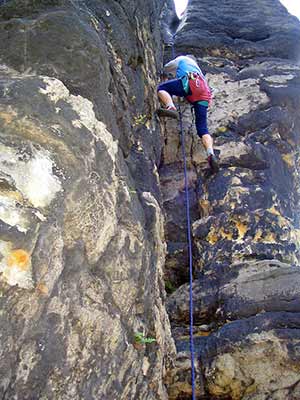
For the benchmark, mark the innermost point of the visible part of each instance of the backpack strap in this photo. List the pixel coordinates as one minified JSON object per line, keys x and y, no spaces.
{"x":193,"y":75}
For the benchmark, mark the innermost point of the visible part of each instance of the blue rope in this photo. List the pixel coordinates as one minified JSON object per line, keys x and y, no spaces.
{"x":190,"y":255}
{"x":189,"y":236}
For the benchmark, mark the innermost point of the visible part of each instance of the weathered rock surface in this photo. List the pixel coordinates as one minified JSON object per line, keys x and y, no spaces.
{"x":239,"y":31}
{"x":246,"y":217}
{"x":82,"y":237}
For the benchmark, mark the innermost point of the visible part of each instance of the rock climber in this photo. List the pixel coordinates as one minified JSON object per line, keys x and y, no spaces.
{"x":191,"y":84}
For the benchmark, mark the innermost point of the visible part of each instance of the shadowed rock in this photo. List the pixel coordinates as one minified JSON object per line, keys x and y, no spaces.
{"x":240,"y":30}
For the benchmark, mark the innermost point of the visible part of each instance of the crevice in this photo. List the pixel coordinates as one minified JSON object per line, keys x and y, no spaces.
{"x":259,"y":38}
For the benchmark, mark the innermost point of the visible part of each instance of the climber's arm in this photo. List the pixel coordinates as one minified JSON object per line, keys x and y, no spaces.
{"x":171,"y":67}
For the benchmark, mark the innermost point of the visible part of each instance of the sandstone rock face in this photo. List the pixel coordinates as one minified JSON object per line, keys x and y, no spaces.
{"x":82,"y":236}
{"x":246,"y":217}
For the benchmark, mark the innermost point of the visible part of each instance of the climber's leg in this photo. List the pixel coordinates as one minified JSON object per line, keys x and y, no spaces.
{"x":165,"y":92}
{"x":207,"y":140}
{"x":212,"y":160}
{"x":169,"y":109}
{"x":166,"y":99}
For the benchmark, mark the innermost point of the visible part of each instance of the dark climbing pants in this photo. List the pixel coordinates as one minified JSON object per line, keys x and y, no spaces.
{"x":175,"y":88}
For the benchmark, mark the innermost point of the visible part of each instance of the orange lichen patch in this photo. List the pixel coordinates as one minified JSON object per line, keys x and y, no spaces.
{"x":288,"y":159}
{"x":19,"y":258}
{"x":242,"y":229}
{"x":212,"y":237}
{"x":258,"y":235}
{"x":273,"y":210}
{"x":269,"y":238}
{"x":42,"y":288}
{"x":204,"y":207}
{"x":225,"y":235}
{"x":203,"y":334}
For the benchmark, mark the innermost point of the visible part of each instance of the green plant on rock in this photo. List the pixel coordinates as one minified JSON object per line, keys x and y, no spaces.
{"x":221,"y":130}
{"x":140,"y":338}
{"x":170,"y":288}
{"x":140,"y":119}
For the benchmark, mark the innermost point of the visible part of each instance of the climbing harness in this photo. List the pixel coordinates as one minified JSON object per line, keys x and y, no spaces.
{"x":189,"y":237}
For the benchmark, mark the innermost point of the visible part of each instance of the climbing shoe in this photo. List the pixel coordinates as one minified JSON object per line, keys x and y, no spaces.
{"x":168,"y":112}
{"x":213,"y":163}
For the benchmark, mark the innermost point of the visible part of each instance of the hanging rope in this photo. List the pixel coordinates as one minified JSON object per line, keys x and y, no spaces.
{"x":189,"y":237}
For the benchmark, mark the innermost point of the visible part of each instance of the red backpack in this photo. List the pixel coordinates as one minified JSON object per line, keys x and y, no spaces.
{"x":199,"y":88}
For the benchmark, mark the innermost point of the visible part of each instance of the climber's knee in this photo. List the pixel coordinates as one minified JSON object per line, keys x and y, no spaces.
{"x":201,"y":120}
{"x":174,"y":87}
{"x":201,"y":134}
{"x":201,"y":126}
